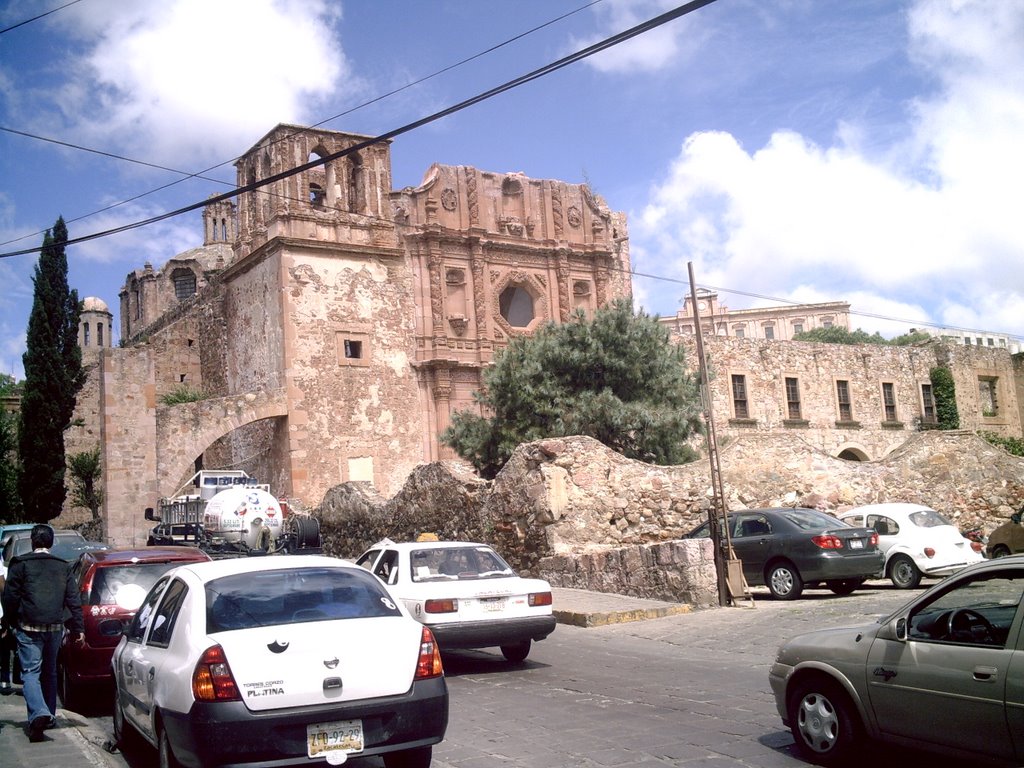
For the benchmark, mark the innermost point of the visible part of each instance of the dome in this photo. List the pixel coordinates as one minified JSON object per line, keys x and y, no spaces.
{"x":92,"y":304}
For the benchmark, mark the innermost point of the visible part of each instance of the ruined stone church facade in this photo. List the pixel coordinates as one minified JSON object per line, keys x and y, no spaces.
{"x":331,"y":324}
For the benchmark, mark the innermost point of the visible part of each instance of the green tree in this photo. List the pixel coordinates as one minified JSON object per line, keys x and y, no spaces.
{"x":85,"y":476}
{"x":944,"y":392}
{"x":838,"y":335}
{"x":53,"y":377}
{"x":616,"y":378}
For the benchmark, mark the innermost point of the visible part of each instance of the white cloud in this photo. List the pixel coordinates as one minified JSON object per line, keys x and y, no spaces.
{"x":189,"y":78}
{"x":931,"y":230}
{"x":654,"y":50}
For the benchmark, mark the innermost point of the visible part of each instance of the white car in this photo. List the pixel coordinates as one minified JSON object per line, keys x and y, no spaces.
{"x":278,"y":660}
{"x":917,"y":541}
{"x":466,"y":593}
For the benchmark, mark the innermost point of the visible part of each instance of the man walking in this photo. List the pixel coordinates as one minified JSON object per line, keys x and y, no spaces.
{"x":38,"y":593}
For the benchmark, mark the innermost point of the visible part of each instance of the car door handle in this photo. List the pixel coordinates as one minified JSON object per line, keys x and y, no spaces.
{"x":986,"y":674}
{"x":152,"y":673}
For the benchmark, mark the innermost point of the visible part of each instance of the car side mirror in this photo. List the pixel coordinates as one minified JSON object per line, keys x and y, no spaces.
{"x":1015,"y":518}
{"x":151,"y":515}
{"x":901,"y":629}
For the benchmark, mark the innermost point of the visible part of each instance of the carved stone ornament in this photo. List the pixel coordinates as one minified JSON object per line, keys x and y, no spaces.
{"x":449,"y":199}
{"x":512,"y":225}
{"x":458,"y":324}
{"x":575,"y":217}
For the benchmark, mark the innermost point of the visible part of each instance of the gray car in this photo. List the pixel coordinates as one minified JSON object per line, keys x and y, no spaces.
{"x":945,"y":672}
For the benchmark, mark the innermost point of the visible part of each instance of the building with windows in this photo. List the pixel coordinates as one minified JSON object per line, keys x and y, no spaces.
{"x":771,"y":323}
{"x":976,"y":338}
{"x":330,"y":324}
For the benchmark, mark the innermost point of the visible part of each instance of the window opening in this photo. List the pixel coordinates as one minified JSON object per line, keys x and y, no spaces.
{"x":889,"y":400}
{"x":516,"y":306}
{"x":793,"y":398}
{"x":739,"y":396}
{"x":843,"y":397}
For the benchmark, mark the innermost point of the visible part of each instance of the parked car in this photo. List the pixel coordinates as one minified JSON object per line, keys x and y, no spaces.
{"x":787,"y":549}
{"x":112,"y":585}
{"x":943,"y":672}
{"x":1007,"y":539}
{"x":916,"y":540}
{"x":275,"y":661}
{"x":67,"y":545}
{"x":9,"y":529}
{"x":466,"y":593}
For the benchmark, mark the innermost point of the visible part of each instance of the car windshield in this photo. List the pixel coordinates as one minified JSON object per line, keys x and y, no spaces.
{"x":458,"y":564}
{"x":292,"y":596}
{"x":126,"y":585}
{"x":928,"y":518}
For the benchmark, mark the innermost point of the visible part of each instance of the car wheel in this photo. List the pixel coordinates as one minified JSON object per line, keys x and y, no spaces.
{"x":844,"y":586}
{"x":408,"y":758}
{"x":516,"y":652}
{"x":167,"y":759}
{"x":1001,"y":551}
{"x":903,"y":572}
{"x":67,"y":695}
{"x":783,"y":581}
{"x":823,"y":721}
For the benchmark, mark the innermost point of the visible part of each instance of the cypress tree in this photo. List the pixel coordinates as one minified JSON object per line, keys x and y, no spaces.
{"x":53,"y":377}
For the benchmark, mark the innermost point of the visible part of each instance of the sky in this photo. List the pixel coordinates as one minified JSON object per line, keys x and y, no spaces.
{"x":792,"y":150}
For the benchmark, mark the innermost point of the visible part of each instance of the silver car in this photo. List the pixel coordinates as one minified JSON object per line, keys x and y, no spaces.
{"x":944,"y":673}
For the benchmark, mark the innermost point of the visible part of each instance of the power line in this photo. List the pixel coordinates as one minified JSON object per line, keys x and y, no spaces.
{"x":36,"y":18}
{"x":186,"y":175}
{"x":547,"y":69}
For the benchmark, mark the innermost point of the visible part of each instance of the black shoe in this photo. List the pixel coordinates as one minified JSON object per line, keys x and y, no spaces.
{"x":51,"y":722}
{"x":36,"y":728}
{"x":6,"y":689}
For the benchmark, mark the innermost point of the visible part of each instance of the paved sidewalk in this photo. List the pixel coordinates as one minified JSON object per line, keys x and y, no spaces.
{"x":79,"y":741}
{"x":76,"y":741}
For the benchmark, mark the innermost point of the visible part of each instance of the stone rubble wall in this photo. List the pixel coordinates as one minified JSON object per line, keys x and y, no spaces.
{"x":580,"y":515}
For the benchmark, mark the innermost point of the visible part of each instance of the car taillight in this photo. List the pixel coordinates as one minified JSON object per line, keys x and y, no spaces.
{"x":976,"y":546}
{"x":449,"y":605}
{"x":873,"y":539}
{"x":212,"y":679}
{"x":539,"y":598}
{"x":429,"y":663}
{"x":929,"y":552}
{"x":827,"y":541}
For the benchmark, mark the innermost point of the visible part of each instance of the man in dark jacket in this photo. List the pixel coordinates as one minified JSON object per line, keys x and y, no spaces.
{"x":37,"y":597}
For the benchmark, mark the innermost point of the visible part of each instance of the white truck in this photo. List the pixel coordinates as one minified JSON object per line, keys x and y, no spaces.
{"x":229,"y":513}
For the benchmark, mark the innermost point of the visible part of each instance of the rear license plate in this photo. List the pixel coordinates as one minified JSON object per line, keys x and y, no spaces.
{"x":341,"y":736}
{"x":856,"y":544}
{"x":492,"y":604}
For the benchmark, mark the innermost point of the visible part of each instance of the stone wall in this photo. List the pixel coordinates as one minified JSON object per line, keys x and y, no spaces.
{"x":574,"y":512}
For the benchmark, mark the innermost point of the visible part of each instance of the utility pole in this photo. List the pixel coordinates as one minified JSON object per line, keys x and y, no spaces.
{"x":718,"y":520}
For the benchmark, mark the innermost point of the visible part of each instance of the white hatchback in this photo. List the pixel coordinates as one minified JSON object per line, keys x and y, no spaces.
{"x":916,"y":540}
{"x":466,"y":593}
{"x":278,"y":660}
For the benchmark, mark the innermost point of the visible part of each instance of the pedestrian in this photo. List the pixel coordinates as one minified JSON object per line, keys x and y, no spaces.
{"x":10,"y":673}
{"x":39,"y":600}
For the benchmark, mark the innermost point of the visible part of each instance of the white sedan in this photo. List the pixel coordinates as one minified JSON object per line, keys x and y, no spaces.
{"x":466,"y":593}
{"x":917,"y":541}
{"x":278,"y":661}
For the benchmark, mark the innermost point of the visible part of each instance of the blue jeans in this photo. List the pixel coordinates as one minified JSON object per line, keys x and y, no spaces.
{"x":37,"y":652}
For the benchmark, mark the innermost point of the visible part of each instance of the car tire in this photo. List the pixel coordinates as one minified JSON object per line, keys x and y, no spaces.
{"x":516,"y":652}
{"x":1000,"y":550}
{"x":408,"y":758}
{"x":903,"y":573}
{"x":844,"y":587}
{"x":824,"y":723}
{"x":167,"y":758}
{"x":68,"y":698}
{"x":783,"y":580}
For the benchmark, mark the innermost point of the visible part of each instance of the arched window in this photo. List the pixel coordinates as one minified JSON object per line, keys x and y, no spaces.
{"x":99,"y":334}
{"x":85,"y":334}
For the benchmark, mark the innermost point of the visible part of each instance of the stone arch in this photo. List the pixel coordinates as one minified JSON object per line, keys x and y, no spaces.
{"x":852,"y":452}
{"x":186,"y":431}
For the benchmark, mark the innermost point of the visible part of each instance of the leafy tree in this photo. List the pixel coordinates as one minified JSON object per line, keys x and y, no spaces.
{"x":85,"y":475}
{"x":53,"y":377}
{"x":616,"y":378}
{"x":944,"y":392}
{"x":838,"y":335}
{"x":9,"y":503}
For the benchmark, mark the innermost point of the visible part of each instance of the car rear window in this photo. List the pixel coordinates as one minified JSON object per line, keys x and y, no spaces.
{"x":928,"y":518}
{"x":457,"y":563}
{"x":293,"y":596}
{"x":812,"y":520}
{"x":125,"y":585}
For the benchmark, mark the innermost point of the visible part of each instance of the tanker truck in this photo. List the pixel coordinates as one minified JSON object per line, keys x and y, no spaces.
{"x":231,"y":514}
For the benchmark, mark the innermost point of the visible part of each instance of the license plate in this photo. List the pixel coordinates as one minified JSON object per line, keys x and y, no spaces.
{"x":341,"y":736}
{"x":492,"y":604}
{"x":856,"y":544}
